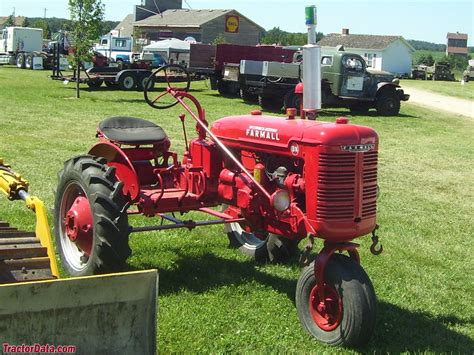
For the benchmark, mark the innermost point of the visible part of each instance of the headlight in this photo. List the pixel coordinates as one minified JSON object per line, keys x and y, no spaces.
{"x":281,"y":200}
{"x":396,"y":81}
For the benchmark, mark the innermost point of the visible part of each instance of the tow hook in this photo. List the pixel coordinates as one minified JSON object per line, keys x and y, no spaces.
{"x":375,"y":241}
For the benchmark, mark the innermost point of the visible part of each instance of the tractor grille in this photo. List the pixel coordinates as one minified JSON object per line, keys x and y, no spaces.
{"x":338,"y":195}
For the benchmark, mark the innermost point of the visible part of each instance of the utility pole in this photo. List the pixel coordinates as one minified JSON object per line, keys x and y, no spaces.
{"x":45,"y":9}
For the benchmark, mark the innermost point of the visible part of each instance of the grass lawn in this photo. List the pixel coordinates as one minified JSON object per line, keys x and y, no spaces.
{"x":214,"y":300}
{"x":449,"y":88}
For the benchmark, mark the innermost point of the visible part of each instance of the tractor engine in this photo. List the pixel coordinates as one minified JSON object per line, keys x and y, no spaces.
{"x":322,"y":177}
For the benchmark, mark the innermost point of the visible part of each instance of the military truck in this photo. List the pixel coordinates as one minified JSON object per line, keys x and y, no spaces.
{"x":468,"y":74}
{"x":346,"y":82}
{"x":439,"y":71}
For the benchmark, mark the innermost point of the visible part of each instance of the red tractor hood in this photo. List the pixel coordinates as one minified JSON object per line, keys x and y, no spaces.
{"x":251,"y":131}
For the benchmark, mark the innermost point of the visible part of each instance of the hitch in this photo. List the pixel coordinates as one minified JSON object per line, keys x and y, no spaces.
{"x":375,"y":241}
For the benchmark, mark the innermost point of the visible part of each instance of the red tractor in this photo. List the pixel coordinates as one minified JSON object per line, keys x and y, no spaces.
{"x":278,"y":180}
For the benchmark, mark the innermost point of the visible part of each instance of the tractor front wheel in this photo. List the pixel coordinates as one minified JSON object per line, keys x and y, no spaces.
{"x":90,"y":219}
{"x":268,"y":248}
{"x":347,"y":317}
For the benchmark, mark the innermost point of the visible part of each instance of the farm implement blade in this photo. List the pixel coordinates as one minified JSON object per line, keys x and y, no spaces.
{"x":25,"y":256}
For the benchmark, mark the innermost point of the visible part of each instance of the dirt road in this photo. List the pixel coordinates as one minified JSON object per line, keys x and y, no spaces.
{"x":440,"y":102}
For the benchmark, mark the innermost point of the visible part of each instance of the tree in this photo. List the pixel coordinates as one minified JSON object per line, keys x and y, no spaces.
{"x":44,"y":26}
{"x":280,"y":37}
{"x":220,"y":39}
{"x":26,"y":23}
{"x":10,"y":21}
{"x":86,"y":17}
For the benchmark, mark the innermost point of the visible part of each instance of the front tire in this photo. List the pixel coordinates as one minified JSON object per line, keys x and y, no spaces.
{"x":350,"y":297}
{"x":388,"y":103}
{"x":268,"y":248}
{"x":90,"y":219}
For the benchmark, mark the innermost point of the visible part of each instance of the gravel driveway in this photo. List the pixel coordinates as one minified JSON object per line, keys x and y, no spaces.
{"x":440,"y":102}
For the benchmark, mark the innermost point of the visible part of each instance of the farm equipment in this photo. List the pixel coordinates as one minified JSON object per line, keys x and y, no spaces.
{"x":345,"y":82}
{"x":278,"y":180}
{"x":112,"y":313}
{"x":468,"y":74}
{"x":23,"y":47}
{"x":24,"y":256}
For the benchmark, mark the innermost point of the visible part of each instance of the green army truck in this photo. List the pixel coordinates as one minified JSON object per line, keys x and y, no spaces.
{"x":346,"y":82}
{"x":468,"y":74}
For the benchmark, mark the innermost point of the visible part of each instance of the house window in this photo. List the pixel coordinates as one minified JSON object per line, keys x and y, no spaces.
{"x":370,"y":59}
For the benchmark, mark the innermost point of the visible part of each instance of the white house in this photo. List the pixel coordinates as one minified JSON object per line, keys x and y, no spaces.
{"x":388,"y":53}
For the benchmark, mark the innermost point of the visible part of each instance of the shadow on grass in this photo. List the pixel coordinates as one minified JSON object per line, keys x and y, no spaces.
{"x":397,"y":330}
{"x":204,"y":272}
{"x":400,"y":330}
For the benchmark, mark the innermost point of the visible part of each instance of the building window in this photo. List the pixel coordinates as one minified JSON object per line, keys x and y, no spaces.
{"x":370,"y":59}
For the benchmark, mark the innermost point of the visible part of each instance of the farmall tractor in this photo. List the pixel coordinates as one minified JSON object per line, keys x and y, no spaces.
{"x":271,"y":181}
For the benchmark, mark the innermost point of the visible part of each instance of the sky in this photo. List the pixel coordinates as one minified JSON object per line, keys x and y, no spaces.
{"x":426,"y":20}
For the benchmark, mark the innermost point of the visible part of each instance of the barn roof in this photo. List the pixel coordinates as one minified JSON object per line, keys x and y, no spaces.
{"x":186,"y":18}
{"x":360,"y":41}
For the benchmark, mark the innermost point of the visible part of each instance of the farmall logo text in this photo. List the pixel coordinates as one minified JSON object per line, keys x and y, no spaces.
{"x":263,"y":132}
{"x":356,"y":148}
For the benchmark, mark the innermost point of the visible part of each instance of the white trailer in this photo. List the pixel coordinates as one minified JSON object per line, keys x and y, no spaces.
{"x":23,"y":46}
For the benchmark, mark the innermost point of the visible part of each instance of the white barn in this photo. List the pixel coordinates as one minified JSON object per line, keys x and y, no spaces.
{"x":388,"y":53}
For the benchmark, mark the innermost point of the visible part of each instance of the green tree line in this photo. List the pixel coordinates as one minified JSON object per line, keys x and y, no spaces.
{"x":277,"y":36}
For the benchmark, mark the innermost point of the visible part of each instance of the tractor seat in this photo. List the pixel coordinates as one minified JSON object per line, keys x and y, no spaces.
{"x":133,"y":131}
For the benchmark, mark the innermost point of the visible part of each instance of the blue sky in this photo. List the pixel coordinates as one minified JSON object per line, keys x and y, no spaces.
{"x":427,"y":20}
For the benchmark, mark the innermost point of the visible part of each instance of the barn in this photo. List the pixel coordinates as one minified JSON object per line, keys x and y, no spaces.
{"x":157,"y":20}
{"x":388,"y":53}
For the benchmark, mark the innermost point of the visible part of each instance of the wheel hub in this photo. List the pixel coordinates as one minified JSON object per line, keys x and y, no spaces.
{"x":327,"y":312}
{"x":78,"y":224}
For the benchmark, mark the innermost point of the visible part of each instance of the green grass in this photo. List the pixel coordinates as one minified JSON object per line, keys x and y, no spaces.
{"x":449,"y":88}
{"x":214,"y":300}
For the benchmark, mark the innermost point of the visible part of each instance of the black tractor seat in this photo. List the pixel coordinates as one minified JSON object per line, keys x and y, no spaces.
{"x":133,"y":131}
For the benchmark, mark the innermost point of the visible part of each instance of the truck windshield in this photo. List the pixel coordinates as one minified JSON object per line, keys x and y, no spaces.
{"x":353,"y":63}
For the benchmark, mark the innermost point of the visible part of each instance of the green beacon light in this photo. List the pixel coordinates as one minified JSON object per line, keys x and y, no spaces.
{"x":311,"y":17}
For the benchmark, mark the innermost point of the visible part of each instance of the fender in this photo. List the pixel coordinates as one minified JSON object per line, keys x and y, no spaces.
{"x":124,"y":170}
{"x":386,"y":85}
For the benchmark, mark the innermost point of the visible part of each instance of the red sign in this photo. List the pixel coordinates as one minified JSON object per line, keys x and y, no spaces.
{"x":232,"y":23}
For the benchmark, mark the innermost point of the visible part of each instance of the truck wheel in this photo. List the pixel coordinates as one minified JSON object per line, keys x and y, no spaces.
{"x":95,"y":83}
{"x":292,"y":100}
{"x":359,"y":108}
{"x":127,"y":81}
{"x":29,"y":61}
{"x":246,"y":96}
{"x":147,"y":82}
{"x":20,"y":61}
{"x":349,"y":319}
{"x":269,"y":103}
{"x":466,"y":79}
{"x":111,"y":84}
{"x":90,"y":219}
{"x":388,"y":103}
{"x":222,"y":88}
{"x":270,"y":248}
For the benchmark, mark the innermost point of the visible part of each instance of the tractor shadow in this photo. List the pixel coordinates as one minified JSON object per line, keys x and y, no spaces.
{"x":202,"y":273}
{"x":397,"y":329}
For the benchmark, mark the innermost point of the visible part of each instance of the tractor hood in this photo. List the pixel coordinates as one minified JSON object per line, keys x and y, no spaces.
{"x":277,"y":133}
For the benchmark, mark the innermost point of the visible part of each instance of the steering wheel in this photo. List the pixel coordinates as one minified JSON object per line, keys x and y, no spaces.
{"x":171,"y":76}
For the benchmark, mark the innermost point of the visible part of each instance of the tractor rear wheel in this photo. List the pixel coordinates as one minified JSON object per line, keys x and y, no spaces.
{"x":90,"y":219}
{"x":349,"y":317}
{"x":269,"y":248}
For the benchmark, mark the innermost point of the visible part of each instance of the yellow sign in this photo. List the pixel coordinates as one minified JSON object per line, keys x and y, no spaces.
{"x":232,"y":23}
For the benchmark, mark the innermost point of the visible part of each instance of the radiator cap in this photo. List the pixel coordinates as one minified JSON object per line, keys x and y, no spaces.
{"x":342,"y":120}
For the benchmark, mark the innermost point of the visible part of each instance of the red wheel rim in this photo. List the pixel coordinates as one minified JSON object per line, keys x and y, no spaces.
{"x":328,"y":314}
{"x":78,"y":221}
